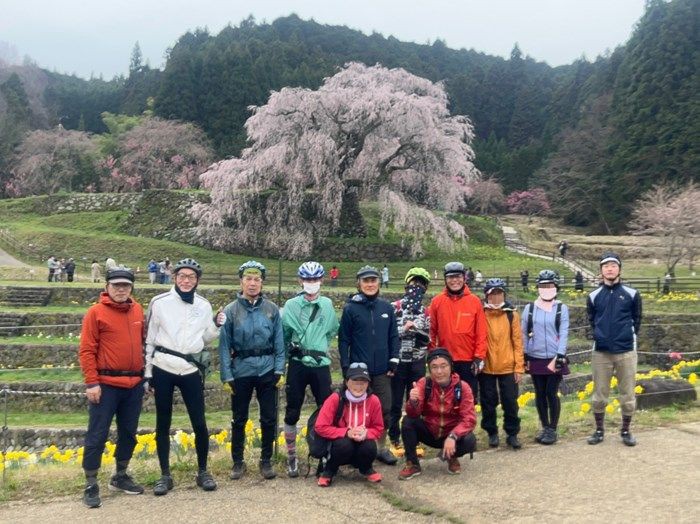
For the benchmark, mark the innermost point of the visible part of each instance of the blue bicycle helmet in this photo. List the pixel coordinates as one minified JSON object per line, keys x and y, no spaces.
{"x":310,"y":270}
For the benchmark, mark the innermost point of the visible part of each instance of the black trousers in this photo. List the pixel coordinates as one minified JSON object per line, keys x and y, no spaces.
{"x":464,"y":369}
{"x":266,"y":393}
{"x":298,"y":377}
{"x":347,"y":451}
{"x":401,"y":383}
{"x":125,"y":403}
{"x":547,"y":399}
{"x":381,"y":386}
{"x":414,"y":430}
{"x":192,"y":391}
{"x":495,"y":389}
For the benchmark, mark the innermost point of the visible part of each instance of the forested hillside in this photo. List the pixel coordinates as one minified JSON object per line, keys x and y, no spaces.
{"x":625,"y":120}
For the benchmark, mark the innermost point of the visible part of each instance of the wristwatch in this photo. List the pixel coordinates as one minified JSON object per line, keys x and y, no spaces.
{"x":452,"y":436}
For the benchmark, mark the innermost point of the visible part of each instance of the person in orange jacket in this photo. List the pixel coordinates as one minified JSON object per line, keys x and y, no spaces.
{"x":111,"y":357}
{"x":440,"y":413}
{"x":504,"y":366}
{"x":458,"y":323}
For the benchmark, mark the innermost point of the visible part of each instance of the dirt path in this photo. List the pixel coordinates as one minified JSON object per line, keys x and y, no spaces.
{"x":657,"y":481}
{"x":8,"y":260}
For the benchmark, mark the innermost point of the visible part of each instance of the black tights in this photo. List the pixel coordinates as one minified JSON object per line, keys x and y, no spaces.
{"x":192,"y":392}
{"x":546,"y":399}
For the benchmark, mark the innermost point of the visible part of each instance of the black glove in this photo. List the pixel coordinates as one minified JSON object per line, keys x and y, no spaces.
{"x":477,"y":366}
{"x":560,"y":362}
{"x":393,"y":365}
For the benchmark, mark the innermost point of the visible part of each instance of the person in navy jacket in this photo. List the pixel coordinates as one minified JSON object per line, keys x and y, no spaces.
{"x":368,"y":333}
{"x":615,"y":315}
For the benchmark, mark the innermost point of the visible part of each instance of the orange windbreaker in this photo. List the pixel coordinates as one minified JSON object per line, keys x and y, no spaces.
{"x":112,"y":338}
{"x":505,"y":343}
{"x":458,"y":323}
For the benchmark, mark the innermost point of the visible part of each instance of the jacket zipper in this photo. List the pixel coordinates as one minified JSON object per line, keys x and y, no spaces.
{"x":442,"y":414}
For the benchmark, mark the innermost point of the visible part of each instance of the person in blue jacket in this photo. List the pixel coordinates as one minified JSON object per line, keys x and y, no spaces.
{"x":252,"y":357}
{"x":368,"y":333}
{"x":615,"y":315}
{"x":545,"y":332}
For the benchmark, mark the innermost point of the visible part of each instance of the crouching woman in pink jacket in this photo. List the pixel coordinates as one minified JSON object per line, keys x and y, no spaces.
{"x":354,"y":434}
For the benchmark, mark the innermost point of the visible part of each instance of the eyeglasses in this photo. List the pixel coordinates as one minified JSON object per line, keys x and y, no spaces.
{"x":184,"y":276}
{"x":358,"y":365}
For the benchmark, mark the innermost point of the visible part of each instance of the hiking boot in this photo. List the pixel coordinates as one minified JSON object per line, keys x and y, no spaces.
{"x":409,"y":471}
{"x":453,"y":466}
{"x":549,"y":437}
{"x":397,"y":449}
{"x":123,"y":482}
{"x":91,"y":496}
{"x":266,"y":470}
{"x":494,"y":441}
{"x":628,"y":439}
{"x":325,"y":480}
{"x":292,"y":467}
{"x":386,"y":457}
{"x":239,"y":469}
{"x":373,"y":476}
{"x":596,"y":437}
{"x":163,"y":485}
{"x":540,"y":434}
{"x":206,"y":481}
{"x":513,"y":441}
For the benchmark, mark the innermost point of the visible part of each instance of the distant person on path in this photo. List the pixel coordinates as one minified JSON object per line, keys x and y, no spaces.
{"x":385,"y":277}
{"x":70,"y":269}
{"x":111,"y":358}
{"x":478,"y":278}
{"x":615,"y":315}
{"x":252,"y":355}
{"x":180,"y":324}
{"x":545,"y":332}
{"x":51,"y":264}
{"x":58,"y":274}
{"x":353,"y":438}
{"x":334,"y":274}
{"x":152,"y":271}
{"x":110,"y":264}
{"x":504,"y":365}
{"x":524,"y":280}
{"x":414,"y":332}
{"x":578,"y":281}
{"x":469,"y":275}
{"x":95,"y":270}
{"x":458,"y":323}
{"x":563,"y":247}
{"x":309,"y":324}
{"x":439,"y":413}
{"x":368,"y":334}
{"x":167,"y":272}
{"x":667,"y":283}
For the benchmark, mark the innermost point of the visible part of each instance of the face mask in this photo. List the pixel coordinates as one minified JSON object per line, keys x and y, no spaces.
{"x":547,"y":293}
{"x":311,"y":288}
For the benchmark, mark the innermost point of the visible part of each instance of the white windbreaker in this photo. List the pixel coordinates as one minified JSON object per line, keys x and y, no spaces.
{"x":179,"y":326}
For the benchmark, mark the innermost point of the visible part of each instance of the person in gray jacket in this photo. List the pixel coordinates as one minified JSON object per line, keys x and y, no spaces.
{"x":252,"y":357}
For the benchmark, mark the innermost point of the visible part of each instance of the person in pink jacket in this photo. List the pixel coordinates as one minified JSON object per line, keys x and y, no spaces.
{"x":354,"y":435}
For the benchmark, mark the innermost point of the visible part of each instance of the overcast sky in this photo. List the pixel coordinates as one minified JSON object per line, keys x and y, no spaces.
{"x":96,"y":36}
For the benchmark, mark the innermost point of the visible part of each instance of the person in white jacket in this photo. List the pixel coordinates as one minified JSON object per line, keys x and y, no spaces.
{"x":180,"y":324}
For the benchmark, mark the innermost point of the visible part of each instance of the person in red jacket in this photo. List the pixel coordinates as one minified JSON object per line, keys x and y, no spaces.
{"x":440,"y":413}
{"x":111,"y":357}
{"x":458,"y":323}
{"x":354,"y":437}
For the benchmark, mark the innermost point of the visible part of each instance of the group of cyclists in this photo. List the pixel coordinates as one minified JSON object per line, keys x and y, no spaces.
{"x":474,"y":349}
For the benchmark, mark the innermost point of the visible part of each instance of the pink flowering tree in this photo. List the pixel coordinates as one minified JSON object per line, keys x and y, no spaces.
{"x":532,"y":202}
{"x":157,"y":153}
{"x":50,"y":161}
{"x":671,"y":212}
{"x":383,"y":133}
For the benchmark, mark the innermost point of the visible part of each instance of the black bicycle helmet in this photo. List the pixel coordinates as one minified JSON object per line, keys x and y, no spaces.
{"x":189,"y":263}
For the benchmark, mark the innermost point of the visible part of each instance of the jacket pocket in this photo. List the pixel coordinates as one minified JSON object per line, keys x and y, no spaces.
{"x":464,"y":323}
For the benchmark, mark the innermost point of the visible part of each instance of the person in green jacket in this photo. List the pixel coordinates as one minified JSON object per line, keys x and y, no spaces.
{"x":309,"y":324}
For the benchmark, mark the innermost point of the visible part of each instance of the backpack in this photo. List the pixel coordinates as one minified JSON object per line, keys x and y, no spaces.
{"x":557,"y":318}
{"x":319,"y":446}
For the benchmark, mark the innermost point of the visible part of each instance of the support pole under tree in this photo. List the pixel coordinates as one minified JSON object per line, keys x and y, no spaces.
{"x":5,"y":392}
{"x":279,"y":282}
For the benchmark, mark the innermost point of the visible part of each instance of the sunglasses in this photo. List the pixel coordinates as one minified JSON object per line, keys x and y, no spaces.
{"x":358,"y":365}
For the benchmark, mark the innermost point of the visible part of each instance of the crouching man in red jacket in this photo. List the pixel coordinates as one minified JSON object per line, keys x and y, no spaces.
{"x":439,"y":413}
{"x":353,"y":435}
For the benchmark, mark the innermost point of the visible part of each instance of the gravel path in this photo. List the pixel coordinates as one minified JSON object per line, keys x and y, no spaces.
{"x":8,"y":260}
{"x":657,"y":481}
